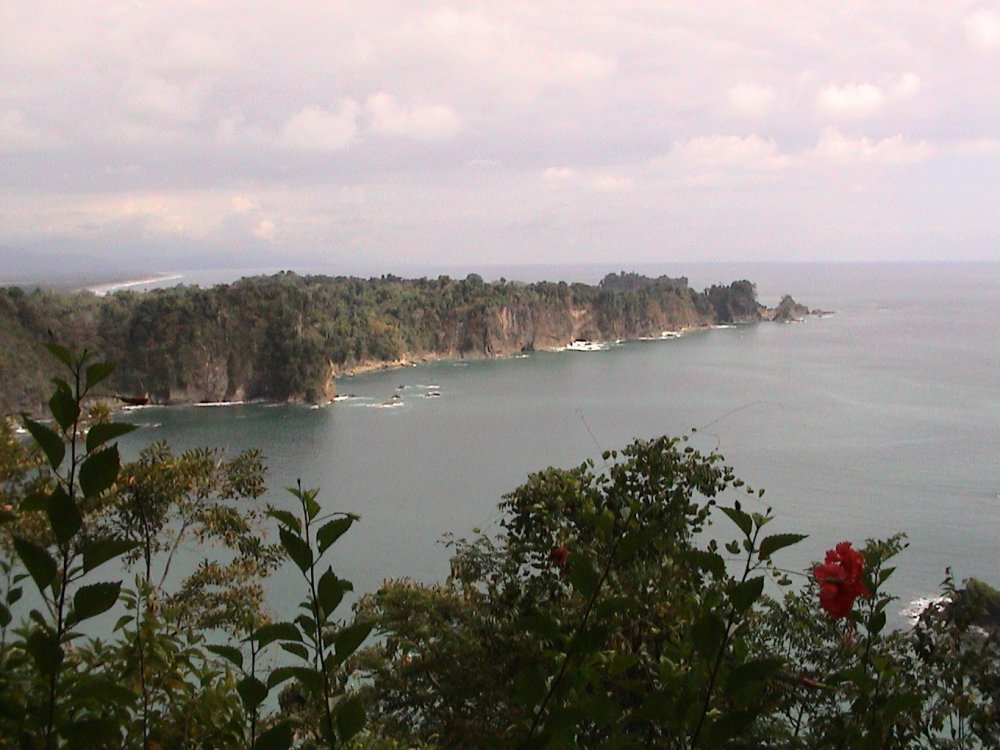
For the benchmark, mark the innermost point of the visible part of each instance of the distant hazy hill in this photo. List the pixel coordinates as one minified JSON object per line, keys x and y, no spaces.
{"x":286,"y":337}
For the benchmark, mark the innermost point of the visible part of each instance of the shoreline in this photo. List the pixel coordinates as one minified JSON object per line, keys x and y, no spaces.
{"x":102,"y":290}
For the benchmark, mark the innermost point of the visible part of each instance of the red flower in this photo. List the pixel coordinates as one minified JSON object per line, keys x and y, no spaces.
{"x":839,"y":579}
{"x":558,"y":555}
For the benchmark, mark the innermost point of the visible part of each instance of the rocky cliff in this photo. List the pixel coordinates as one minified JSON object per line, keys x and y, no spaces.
{"x":287,"y":337}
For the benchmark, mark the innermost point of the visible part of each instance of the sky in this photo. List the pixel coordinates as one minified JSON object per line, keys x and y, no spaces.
{"x":401,"y":133}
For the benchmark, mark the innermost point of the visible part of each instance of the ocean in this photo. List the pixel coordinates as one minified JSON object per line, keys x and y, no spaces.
{"x":881,"y":418}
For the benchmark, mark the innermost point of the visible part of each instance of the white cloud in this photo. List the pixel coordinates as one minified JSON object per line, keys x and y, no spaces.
{"x":751,"y":100}
{"x":234,"y":131}
{"x":163,"y":101}
{"x":978,"y":147}
{"x":315,"y":129}
{"x":908,"y":86}
{"x":518,"y":52}
{"x":558,"y":173}
{"x":420,"y":122}
{"x":851,"y":100}
{"x":483,"y":163}
{"x":610,"y":183}
{"x":833,"y":146}
{"x":982,"y":29}
{"x":241,"y":204}
{"x":727,"y":151}
{"x":17,"y":134}
{"x":264,"y":230}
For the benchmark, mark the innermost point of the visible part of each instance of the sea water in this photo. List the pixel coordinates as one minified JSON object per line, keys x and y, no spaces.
{"x":881,"y":418}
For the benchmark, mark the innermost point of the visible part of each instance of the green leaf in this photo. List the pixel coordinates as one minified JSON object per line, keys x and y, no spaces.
{"x":348,"y":639}
{"x":4,"y":616}
{"x":876,"y":623}
{"x":710,"y":562}
{"x":297,"y":649}
{"x":753,"y":671}
{"x":331,"y":531}
{"x":278,"y":737}
{"x":583,"y":576}
{"x":34,"y":502}
{"x":309,"y":501}
{"x":99,"y":471}
{"x":45,"y":651}
{"x":64,"y":516}
{"x":529,"y":686}
{"x":744,"y":594}
{"x":543,"y":625}
{"x":350,"y":717}
{"x":276,"y":631}
{"x":330,"y":591}
{"x":297,"y":549}
{"x":98,"y":372}
{"x":60,"y":352}
{"x":252,"y":692}
{"x":308,"y":677}
{"x":63,"y":405}
{"x":229,"y":653}
{"x":285,"y":517}
{"x":101,"y":433}
{"x":98,"y":552}
{"x":727,"y":726}
{"x":94,"y":599}
{"x":741,"y":519}
{"x":900,"y":703}
{"x":707,"y":635}
{"x":48,"y":440}
{"x":39,"y":563}
{"x":771,"y":544}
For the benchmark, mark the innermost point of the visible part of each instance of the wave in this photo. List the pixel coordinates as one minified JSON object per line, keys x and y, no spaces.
{"x":916,"y":608}
{"x":102,"y":290}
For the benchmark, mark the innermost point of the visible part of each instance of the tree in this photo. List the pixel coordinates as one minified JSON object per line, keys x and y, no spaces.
{"x":598,"y":603}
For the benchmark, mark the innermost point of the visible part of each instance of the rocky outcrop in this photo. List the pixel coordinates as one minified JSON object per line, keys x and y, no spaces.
{"x":286,"y":337}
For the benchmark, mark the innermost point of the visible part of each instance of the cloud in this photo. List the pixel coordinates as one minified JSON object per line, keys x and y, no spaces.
{"x":17,"y":135}
{"x":751,"y":100}
{"x":558,"y":173}
{"x":851,"y":100}
{"x":834,"y":147}
{"x":982,"y":29}
{"x":483,"y":163}
{"x":978,"y":147}
{"x":153,"y":98}
{"x":242,"y":204}
{"x":610,"y":183}
{"x":420,"y":122}
{"x":518,"y":53}
{"x":726,"y":151}
{"x":908,"y":86}
{"x":264,"y":230}
{"x":315,"y":129}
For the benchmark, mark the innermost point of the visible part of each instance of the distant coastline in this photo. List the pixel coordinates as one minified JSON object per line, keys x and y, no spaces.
{"x":116,"y":286}
{"x":286,"y":337}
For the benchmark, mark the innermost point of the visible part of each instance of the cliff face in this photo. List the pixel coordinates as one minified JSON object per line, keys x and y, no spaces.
{"x":286,"y":337}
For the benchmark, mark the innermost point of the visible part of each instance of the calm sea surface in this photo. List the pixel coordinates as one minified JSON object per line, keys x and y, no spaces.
{"x":884,"y":417}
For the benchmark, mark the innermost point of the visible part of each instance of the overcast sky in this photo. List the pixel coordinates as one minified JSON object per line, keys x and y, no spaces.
{"x":547,"y":131}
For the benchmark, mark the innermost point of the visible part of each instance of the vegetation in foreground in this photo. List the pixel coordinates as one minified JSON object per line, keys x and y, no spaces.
{"x":628,"y":605}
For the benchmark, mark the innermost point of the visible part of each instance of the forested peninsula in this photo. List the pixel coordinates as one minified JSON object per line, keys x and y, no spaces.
{"x":286,"y":337}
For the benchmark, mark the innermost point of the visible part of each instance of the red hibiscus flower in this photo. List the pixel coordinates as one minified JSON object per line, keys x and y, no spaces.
{"x":558,"y":555}
{"x":839,"y":579}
